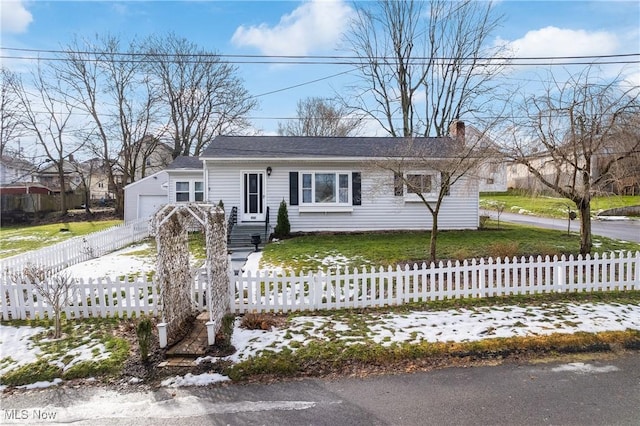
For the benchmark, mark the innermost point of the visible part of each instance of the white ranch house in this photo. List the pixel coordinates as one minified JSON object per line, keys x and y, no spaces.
{"x":328,"y":183}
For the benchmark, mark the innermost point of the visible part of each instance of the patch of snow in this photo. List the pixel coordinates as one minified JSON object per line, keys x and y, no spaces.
{"x":114,"y":264}
{"x":41,"y":385}
{"x":194,"y":380}
{"x":16,"y":343}
{"x":582,"y":368}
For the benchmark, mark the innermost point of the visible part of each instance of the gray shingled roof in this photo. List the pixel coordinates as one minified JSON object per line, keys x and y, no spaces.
{"x":185,"y":163}
{"x":326,"y":147}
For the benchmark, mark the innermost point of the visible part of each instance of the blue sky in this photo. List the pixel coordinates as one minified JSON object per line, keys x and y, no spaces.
{"x":534,"y":28}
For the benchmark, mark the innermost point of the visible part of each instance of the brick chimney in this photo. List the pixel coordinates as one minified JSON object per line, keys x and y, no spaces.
{"x":457,"y":131}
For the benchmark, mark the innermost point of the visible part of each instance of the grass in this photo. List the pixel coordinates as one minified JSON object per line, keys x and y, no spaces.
{"x":20,"y":239}
{"x":344,"y":356}
{"x":311,"y":252}
{"x":540,"y":205}
{"x":58,"y":358}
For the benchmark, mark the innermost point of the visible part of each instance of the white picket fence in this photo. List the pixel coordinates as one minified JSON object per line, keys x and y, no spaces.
{"x":264,"y":291}
{"x":79,"y":249}
{"x":102,"y":297}
{"x":376,"y":287}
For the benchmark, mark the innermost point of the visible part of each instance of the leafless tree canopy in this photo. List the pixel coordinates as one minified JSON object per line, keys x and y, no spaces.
{"x":576,"y":136}
{"x":46,"y":114}
{"x":10,"y":129}
{"x":412,"y":163}
{"x":423,"y":64}
{"x":321,"y":117}
{"x":202,"y":95}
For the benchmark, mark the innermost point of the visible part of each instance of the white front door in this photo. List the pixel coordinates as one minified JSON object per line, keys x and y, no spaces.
{"x":253,"y":199}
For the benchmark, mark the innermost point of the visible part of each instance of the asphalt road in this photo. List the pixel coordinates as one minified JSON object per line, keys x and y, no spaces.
{"x":602,"y":391}
{"x":622,"y":229}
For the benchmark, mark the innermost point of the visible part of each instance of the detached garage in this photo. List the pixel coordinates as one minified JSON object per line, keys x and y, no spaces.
{"x":143,"y":198}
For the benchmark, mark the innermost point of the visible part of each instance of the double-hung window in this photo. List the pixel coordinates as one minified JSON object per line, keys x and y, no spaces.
{"x":414,"y":186}
{"x":326,"y":188}
{"x":189,"y":191}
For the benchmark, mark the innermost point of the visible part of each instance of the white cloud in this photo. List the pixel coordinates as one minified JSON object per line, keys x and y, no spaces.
{"x":15,"y":17}
{"x":553,"y":41}
{"x":314,"y":25}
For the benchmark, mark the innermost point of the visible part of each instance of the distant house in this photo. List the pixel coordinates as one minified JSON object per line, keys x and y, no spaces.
{"x":147,"y":156}
{"x":329,"y":184}
{"x":14,"y":170}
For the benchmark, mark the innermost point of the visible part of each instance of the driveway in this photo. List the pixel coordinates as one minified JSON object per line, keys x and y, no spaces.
{"x":619,"y":229}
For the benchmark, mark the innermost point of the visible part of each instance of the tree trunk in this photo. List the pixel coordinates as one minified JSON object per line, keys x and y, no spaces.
{"x":434,"y":238}
{"x":584,"y":206}
{"x":63,"y":191}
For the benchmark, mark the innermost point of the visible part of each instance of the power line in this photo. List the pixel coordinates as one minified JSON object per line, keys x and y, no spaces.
{"x":150,"y":57}
{"x":333,"y":57}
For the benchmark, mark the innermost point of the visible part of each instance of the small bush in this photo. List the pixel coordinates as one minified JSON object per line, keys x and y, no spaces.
{"x":283,"y":227}
{"x":260,"y":321}
{"x":484,"y":221}
{"x":504,"y":249}
{"x":144,"y":331}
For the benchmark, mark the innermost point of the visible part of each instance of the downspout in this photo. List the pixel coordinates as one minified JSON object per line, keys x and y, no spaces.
{"x":205,"y":176}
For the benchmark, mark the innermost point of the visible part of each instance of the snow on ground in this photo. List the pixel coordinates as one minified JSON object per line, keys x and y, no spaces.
{"x":118,"y":263}
{"x":15,"y":343}
{"x":454,"y":325}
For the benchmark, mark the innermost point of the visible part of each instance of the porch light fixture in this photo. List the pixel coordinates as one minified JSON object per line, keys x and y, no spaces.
{"x":269,"y":169}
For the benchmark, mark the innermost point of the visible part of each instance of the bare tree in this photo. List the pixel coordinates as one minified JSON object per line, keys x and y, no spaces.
{"x":423,"y":64}
{"x":10,"y":129}
{"x":108,"y":85}
{"x":58,"y":291}
{"x":574,"y":135}
{"x":321,"y":117}
{"x":202,"y":95}
{"x":431,"y":172}
{"x":47,"y":115}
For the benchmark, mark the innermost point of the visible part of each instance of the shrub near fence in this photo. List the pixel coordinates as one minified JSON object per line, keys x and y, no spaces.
{"x":264,"y":291}
{"x":79,"y":249}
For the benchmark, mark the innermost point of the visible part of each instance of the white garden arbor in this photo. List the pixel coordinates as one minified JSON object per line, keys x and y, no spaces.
{"x":171,"y":225}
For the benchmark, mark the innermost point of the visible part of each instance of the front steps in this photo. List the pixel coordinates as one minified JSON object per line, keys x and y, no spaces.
{"x":240,"y":238}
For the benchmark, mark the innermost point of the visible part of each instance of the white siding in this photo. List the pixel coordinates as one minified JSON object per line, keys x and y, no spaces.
{"x":380,"y":209}
{"x":151,"y":185}
{"x":181,"y":176}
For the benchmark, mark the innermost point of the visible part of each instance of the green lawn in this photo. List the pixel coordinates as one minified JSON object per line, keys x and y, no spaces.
{"x":550,"y":206}
{"x":19,"y":239}
{"x":374,"y":249}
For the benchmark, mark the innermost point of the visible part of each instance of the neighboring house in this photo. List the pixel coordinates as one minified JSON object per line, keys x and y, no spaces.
{"x":328,"y":183}
{"x":97,"y":179}
{"x":49,"y":176}
{"x":144,"y":197}
{"x":148,"y":156}
{"x":14,"y":170}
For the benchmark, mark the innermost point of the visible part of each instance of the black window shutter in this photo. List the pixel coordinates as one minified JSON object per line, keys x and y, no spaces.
{"x":293,"y":188}
{"x":398,"y":185}
{"x":356,"y":189}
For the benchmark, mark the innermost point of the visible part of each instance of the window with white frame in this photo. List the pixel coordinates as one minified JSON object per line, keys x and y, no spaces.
{"x":411,"y":184}
{"x":189,"y":191}
{"x":326,"y":188}
{"x":419,"y":184}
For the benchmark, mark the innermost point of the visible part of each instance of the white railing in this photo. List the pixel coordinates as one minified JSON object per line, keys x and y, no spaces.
{"x":266,"y":291}
{"x":79,"y":249}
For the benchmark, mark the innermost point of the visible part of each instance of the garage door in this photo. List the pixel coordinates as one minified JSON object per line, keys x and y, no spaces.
{"x":148,"y":205}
